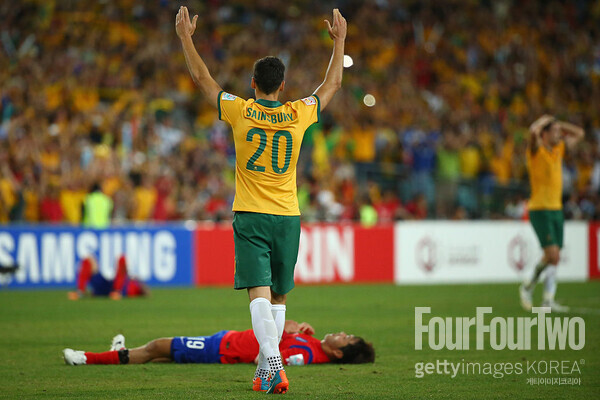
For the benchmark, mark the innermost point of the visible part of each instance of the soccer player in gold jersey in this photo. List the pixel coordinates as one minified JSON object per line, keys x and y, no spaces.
{"x":266,"y":226}
{"x":545,"y":152}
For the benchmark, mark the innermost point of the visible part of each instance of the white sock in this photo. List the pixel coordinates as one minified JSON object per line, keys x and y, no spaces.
{"x":278,"y":311}
{"x":264,"y":327}
{"x":550,"y":283}
{"x":262,"y":369}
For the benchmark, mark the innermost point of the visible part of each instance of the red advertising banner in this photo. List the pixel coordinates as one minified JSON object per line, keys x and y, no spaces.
{"x":213,"y":255}
{"x":374,"y":254}
{"x":594,"y":227}
{"x":328,"y":254}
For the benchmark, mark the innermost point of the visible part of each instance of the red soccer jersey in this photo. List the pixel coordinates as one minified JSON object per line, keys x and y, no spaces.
{"x":242,"y":347}
{"x":296,"y":344}
{"x":238,"y":347}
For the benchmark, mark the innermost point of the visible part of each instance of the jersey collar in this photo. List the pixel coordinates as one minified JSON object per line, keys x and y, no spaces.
{"x":268,"y":103}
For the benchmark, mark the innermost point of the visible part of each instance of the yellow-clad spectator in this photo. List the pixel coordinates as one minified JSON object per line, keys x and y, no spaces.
{"x":7,"y":198}
{"x":144,"y":197}
{"x":470,"y":161}
{"x":500,"y":167}
{"x":111,"y":184}
{"x":50,"y":156}
{"x":320,"y":155}
{"x":364,"y":143}
{"x":85,"y":99}
{"x":54,"y":95}
{"x":30,"y":192}
{"x":71,"y":202}
{"x":31,"y":213}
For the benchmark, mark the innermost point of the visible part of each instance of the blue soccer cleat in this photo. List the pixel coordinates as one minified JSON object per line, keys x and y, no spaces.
{"x":279,"y":383}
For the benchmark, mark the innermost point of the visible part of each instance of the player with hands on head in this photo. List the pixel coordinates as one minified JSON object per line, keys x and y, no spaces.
{"x":546,"y":149}
{"x":266,"y":226}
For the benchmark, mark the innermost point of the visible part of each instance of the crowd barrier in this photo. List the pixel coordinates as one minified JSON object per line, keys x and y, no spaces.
{"x":431,"y":252}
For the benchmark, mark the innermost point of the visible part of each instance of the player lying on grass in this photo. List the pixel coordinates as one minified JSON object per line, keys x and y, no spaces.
{"x":297,"y":347}
{"x":90,"y":282}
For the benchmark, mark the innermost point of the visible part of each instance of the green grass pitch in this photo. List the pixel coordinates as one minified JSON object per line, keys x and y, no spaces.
{"x":37,"y":325}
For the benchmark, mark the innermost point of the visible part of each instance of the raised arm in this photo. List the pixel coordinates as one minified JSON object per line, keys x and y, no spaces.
{"x":572,"y":133}
{"x":535,"y":130}
{"x":333,"y":77}
{"x":185,"y":29}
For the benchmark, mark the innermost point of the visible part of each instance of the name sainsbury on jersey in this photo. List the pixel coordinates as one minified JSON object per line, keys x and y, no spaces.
{"x":273,"y":118}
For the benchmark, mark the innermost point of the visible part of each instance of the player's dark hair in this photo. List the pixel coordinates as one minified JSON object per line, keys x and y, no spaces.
{"x":268,"y":74}
{"x":96,"y":187}
{"x":360,"y":352}
{"x":547,"y":126}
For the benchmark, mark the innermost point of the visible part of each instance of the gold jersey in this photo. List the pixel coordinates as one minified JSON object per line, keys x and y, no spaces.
{"x":267,"y":137}
{"x":545,"y":177}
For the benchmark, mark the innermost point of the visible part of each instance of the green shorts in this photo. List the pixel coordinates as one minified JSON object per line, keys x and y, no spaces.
{"x":266,"y":250}
{"x":548,"y":226}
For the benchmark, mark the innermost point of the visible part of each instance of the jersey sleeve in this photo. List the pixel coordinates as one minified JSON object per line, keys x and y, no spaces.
{"x":230,"y":107}
{"x":308,"y":109}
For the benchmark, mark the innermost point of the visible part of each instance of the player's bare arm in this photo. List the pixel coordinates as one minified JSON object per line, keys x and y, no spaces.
{"x":292,"y":327}
{"x":200,"y":74}
{"x":306,"y":328}
{"x":333,"y":76}
{"x":572,"y":134}
{"x":536,"y":129}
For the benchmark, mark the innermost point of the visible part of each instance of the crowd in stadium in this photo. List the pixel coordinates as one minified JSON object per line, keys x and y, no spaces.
{"x":97,"y":92}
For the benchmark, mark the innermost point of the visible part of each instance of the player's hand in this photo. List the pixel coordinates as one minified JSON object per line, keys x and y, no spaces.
{"x":540,"y":122}
{"x":337,"y":31}
{"x":183,"y":25}
{"x":291,"y":326}
{"x":305,"y":328}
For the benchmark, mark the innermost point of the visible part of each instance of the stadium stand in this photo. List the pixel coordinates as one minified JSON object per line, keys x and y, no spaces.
{"x":98,"y":91}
